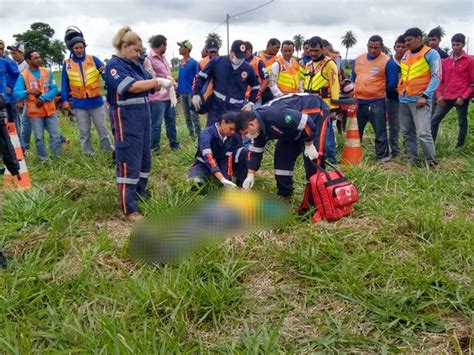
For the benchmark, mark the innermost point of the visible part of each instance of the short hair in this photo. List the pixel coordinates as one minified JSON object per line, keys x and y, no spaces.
{"x":435,"y":32}
{"x":413,"y":32}
{"x":29,"y":54}
{"x":249,"y":46}
{"x":125,"y":35}
{"x":459,"y":38}
{"x":316,"y":41}
{"x":243,"y":118}
{"x":400,"y":39}
{"x":376,"y":38}
{"x":326,"y":43}
{"x":287,"y":43}
{"x":228,"y":117}
{"x":157,"y":40}
{"x":273,"y":42}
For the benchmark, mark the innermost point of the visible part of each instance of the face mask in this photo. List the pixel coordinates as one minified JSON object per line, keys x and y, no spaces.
{"x":236,"y":61}
{"x":252,"y":136}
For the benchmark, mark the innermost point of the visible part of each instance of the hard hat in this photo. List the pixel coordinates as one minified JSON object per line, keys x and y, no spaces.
{"x":347,"y":86}
{"x":72,"y":36}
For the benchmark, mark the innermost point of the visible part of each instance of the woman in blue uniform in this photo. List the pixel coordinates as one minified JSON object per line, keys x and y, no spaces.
{"x":221,"y":153}
{"x":128,"y":85}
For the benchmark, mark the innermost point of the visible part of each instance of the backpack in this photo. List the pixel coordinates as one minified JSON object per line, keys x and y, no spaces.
{"x":331,"y":194}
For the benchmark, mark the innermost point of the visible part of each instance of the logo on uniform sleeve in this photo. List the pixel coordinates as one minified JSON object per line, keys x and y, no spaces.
{"x":69,"y":66}
{"x":113,"y":71}
{"x":287,"y":118}
{"x":244,"y":75}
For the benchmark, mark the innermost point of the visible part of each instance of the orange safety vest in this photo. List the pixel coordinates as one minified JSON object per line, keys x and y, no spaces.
{"x":254,"y":64}
{"x":86,"y":86}
{"x":42,"y":84}
{"x":267,"y":60}
{"x":416,"y":73}
{"x":370,"y":77}
{"x":203,"y":62}
{"x":288,"y":77}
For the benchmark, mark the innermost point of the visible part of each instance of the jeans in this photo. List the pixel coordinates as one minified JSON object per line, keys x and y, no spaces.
{"x":84,"y":117}
{"x":439,"y":114}
{"x":26,"y":129}
{"x":415,"y":123}
{"x":192,"y":118}
{"x":375,"y":114}
{"x":162,"y":110}
{"x":50,"y":124}
{"x":393,"y":115}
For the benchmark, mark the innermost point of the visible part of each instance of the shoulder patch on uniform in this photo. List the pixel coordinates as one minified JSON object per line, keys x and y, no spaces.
{"x":113,"y":72}
{"x":244,"y":75}
{"x":287,"y":118}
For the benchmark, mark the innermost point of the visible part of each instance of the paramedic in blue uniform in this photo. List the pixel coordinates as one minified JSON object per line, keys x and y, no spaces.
{"x":294,"y":131}
{"x":318,"y":110}
{"x":221,"y":153}
{"x":128,"y":86}
{"x":231,"y":76}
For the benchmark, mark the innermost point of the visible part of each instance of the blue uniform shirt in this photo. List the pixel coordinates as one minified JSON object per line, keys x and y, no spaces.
{"x":230,"y":84}
{"x":120,"y":74}
{"x":277,"y":123}
{"x":186,"y":75}
{"x":8,"y":76}
{"x":87,"y":103}
{"x":214,"y":148}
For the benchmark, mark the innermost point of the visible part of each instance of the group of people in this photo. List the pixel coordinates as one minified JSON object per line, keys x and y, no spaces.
{"x":248,"y":98}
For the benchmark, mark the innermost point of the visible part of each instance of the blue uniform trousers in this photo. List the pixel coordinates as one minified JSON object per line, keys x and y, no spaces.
{"x":131,"y":125}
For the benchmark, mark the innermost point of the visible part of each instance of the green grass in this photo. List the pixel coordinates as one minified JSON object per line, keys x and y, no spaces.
{"x":395,"y":276}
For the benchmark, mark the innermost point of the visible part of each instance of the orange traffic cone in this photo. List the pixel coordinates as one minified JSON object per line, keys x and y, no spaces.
{"x":24,"y":182}
{"x":352,"y":153}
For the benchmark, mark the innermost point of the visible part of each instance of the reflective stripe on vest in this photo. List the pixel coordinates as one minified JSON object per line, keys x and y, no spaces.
{"x":370,"y":77}
{"x":83,"y":86}
{"x":288,"y":76}
{"x":42,"y":84}
{"x":313,"y":78}
{"x":416,"y":73}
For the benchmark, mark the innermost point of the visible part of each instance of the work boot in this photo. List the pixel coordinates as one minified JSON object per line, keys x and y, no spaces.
{"x":134,"y":217}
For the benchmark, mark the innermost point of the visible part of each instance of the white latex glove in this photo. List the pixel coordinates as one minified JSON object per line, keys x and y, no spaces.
{"x":196,"y":100}
{"x":248,"y":107}
{"x":165,"y":83}
{"x":311,"y":152}
{"x":249,"y":181}
{"x":228,"y":183}
{"x":173,"y":98}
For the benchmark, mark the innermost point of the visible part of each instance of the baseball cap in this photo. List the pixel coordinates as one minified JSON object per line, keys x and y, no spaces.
{"x":17,"y":47}
{"x":186,"y":44}
{"x":2,"y":43}
{"x":212,"y":45}
{"x":239,"y":48}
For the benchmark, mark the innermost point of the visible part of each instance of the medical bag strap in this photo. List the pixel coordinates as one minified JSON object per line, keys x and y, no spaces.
{"x":322,"y":139}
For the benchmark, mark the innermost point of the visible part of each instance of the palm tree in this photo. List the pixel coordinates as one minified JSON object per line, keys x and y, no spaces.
{"x":349,"y":40}
{"x":298,"y":40}
{"x":215,"y":37}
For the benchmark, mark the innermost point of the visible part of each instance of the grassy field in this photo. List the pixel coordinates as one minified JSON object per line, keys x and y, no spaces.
{"x":395,"y":276}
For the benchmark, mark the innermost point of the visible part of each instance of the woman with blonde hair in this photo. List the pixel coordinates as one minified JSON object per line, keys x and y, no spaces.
{"x":128,"y":86}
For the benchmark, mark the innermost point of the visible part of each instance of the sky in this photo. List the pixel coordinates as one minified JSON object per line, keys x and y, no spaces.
{"x":178,"y":20}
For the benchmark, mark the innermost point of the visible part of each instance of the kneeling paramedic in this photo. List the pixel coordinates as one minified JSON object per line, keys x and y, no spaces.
{"x":221,"y":153}
{"x":295,"y":133}
{"x":128,"y":85}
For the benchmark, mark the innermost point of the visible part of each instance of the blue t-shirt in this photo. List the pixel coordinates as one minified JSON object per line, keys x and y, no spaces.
{"x":186,"y":74}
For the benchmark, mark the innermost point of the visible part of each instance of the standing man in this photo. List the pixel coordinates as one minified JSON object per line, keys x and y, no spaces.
{"x":374,"y":74}
{"x":306,"y":55}
{"x":212,"y":50}
{"x":455,"y":88}
{"x":231,"y":75}
{"x":187,"y":70}
{"x":9,"y":77}
{"x":393,"y":109}
{"x":160,"y":101}
{"x":268,"y":57}
{"x":434,"y":39}
{"x":259,"y":68}
{"x":37,"y":86}
{"x":81,"y":80}
{"x":17,"y":51}
{"x":420,"y":77}
{"x":284,"y":72}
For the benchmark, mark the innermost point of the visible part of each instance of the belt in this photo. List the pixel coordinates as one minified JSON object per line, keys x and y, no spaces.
{"x":133,"y":101}
{"x":232,"y":101}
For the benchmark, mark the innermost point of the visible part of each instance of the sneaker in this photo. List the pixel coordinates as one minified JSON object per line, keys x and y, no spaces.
{"x":134,"y":217}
